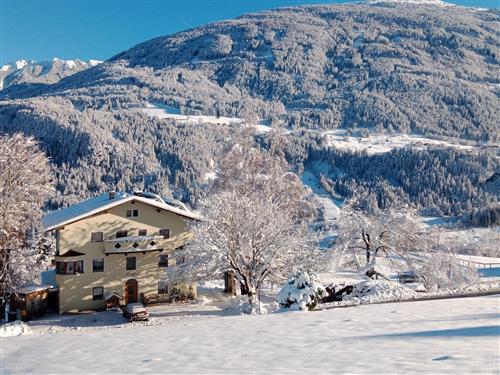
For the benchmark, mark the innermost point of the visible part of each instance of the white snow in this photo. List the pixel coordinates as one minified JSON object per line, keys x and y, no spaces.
{"x":380,"y":143}
{"x":163,"y":111}
{"x":32,"y":288}
{"x":440,"y":336}
{"x":94,"y":62}
{"x":16,"y":328}
{"x":428,"y":2}
{"x":21,"y":64}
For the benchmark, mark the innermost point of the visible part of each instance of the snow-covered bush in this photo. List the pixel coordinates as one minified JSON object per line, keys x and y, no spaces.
{"x":182,"y":292}
{"x":302,"y":290}
{"x":443,"y":271}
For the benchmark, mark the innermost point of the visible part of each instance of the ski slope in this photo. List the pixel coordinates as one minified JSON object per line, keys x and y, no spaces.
{"x":441,"y":336}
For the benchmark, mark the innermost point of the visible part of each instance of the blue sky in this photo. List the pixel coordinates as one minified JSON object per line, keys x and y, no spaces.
{"x":98,"y":29}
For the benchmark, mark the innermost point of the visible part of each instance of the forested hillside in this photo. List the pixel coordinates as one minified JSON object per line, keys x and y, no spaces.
{"x":394,"y":68}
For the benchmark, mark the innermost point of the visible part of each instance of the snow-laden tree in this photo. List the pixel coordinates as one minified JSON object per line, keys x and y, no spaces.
{"x":370,"y":233}
{"x":255,"y":222}
{"x":27,"y":262}
{"x":439,"y":267}
{"x":24,"y":188}
{"x":302,"y":290}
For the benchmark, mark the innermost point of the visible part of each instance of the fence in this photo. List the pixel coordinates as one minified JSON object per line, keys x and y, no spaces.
{"x":477,"y":265}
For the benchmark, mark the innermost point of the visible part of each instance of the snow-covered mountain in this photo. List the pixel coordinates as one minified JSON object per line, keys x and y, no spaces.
{"x":400,"y":98}
{"x":30,"y":71}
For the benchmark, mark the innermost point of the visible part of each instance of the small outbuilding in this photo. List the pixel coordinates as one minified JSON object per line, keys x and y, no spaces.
{"x":112,"y":300}
{"x":31,"y":300}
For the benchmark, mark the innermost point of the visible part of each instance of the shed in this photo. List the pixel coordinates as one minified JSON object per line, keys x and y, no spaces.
{"x":30,"y":300}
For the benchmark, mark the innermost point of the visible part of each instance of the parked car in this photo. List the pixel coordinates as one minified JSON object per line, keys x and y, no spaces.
{"x":135,"y":312}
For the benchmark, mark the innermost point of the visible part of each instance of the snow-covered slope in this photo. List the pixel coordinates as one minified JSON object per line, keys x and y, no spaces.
{"x":440,"y":336}
{"x":24,"y":71}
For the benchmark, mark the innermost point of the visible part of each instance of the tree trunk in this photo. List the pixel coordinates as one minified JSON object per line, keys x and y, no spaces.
{"x":253,"y":300}
{"x":244,"y":289}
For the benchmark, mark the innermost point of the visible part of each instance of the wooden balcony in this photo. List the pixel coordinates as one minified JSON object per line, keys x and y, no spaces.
{"x":142,"y":244}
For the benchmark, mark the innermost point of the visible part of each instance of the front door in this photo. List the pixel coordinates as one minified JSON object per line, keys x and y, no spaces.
{"x":131,"y":291}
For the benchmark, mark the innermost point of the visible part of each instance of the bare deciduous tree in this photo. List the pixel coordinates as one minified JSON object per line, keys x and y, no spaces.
{"x":390,"y":232}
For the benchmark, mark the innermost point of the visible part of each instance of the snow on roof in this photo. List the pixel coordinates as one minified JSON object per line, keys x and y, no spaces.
{"x":108,"y":295}
{"x":32,"y":288}
{"x":103,"y":202}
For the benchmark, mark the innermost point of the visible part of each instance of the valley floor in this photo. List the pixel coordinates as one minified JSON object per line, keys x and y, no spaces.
{"x":443,"y":336}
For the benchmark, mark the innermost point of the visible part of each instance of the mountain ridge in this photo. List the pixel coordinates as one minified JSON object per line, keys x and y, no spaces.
{"x":33,"y":71}
{"x":374,"y":67}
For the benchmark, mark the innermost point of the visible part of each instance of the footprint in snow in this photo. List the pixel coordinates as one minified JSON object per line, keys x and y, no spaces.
{"x":445,"y":358}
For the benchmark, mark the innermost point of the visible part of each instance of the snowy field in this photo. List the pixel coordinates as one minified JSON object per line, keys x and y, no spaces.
{"x":340,"y":138}
{"x":431,"y":337}
{"x":163,"y":111}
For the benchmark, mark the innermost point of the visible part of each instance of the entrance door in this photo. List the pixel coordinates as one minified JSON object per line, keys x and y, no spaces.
{"x":131,"y":291}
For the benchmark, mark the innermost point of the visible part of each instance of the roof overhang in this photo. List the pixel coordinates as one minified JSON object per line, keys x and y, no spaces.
{"x":118,"y":202}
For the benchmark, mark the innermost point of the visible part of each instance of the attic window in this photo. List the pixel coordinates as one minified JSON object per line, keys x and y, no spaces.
{"x":135,"y":213}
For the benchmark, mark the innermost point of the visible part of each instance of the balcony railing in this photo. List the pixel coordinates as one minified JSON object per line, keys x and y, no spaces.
{"x":138,"y":244}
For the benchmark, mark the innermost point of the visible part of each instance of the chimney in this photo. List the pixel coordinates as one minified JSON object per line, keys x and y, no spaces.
{"x":111,"y":195}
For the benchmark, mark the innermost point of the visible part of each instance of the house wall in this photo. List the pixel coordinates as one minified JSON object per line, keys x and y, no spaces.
{"x":75,"y":291}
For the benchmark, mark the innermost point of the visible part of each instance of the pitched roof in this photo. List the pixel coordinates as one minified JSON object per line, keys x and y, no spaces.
{"x":103,"y":202}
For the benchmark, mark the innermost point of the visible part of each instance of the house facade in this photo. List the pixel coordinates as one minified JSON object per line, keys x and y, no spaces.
{"x":116,"y":245}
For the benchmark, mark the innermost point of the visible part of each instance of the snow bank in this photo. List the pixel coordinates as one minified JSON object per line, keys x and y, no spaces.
{"x":372,"y":291}
{"x":16,"y":328}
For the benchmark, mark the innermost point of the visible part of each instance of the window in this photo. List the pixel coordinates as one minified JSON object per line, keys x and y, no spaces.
{"x":121,"y":233}
{"x":60,"y":270}
{"x":129,"y":213}
{"x":136,"y":213}
{"x":143,"y":232}
{"x":78,"y":265}
{"x":96,"y":237}
{"x":163,"y":261}
{"x":69,"y":268}
{"x":165,"y":233}
{"x":98,"y":293}
{"x":98,"y":265}
{"x":162,"y":287}
{"x":181,"y":259}
{"x":130,"y":263}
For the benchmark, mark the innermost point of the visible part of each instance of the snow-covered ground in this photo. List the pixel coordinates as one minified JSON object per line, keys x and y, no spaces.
{"x":163,"y":111}
{"x":415,"y":337}
{"x":339,"y":138}
{"x":380,"y":143}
